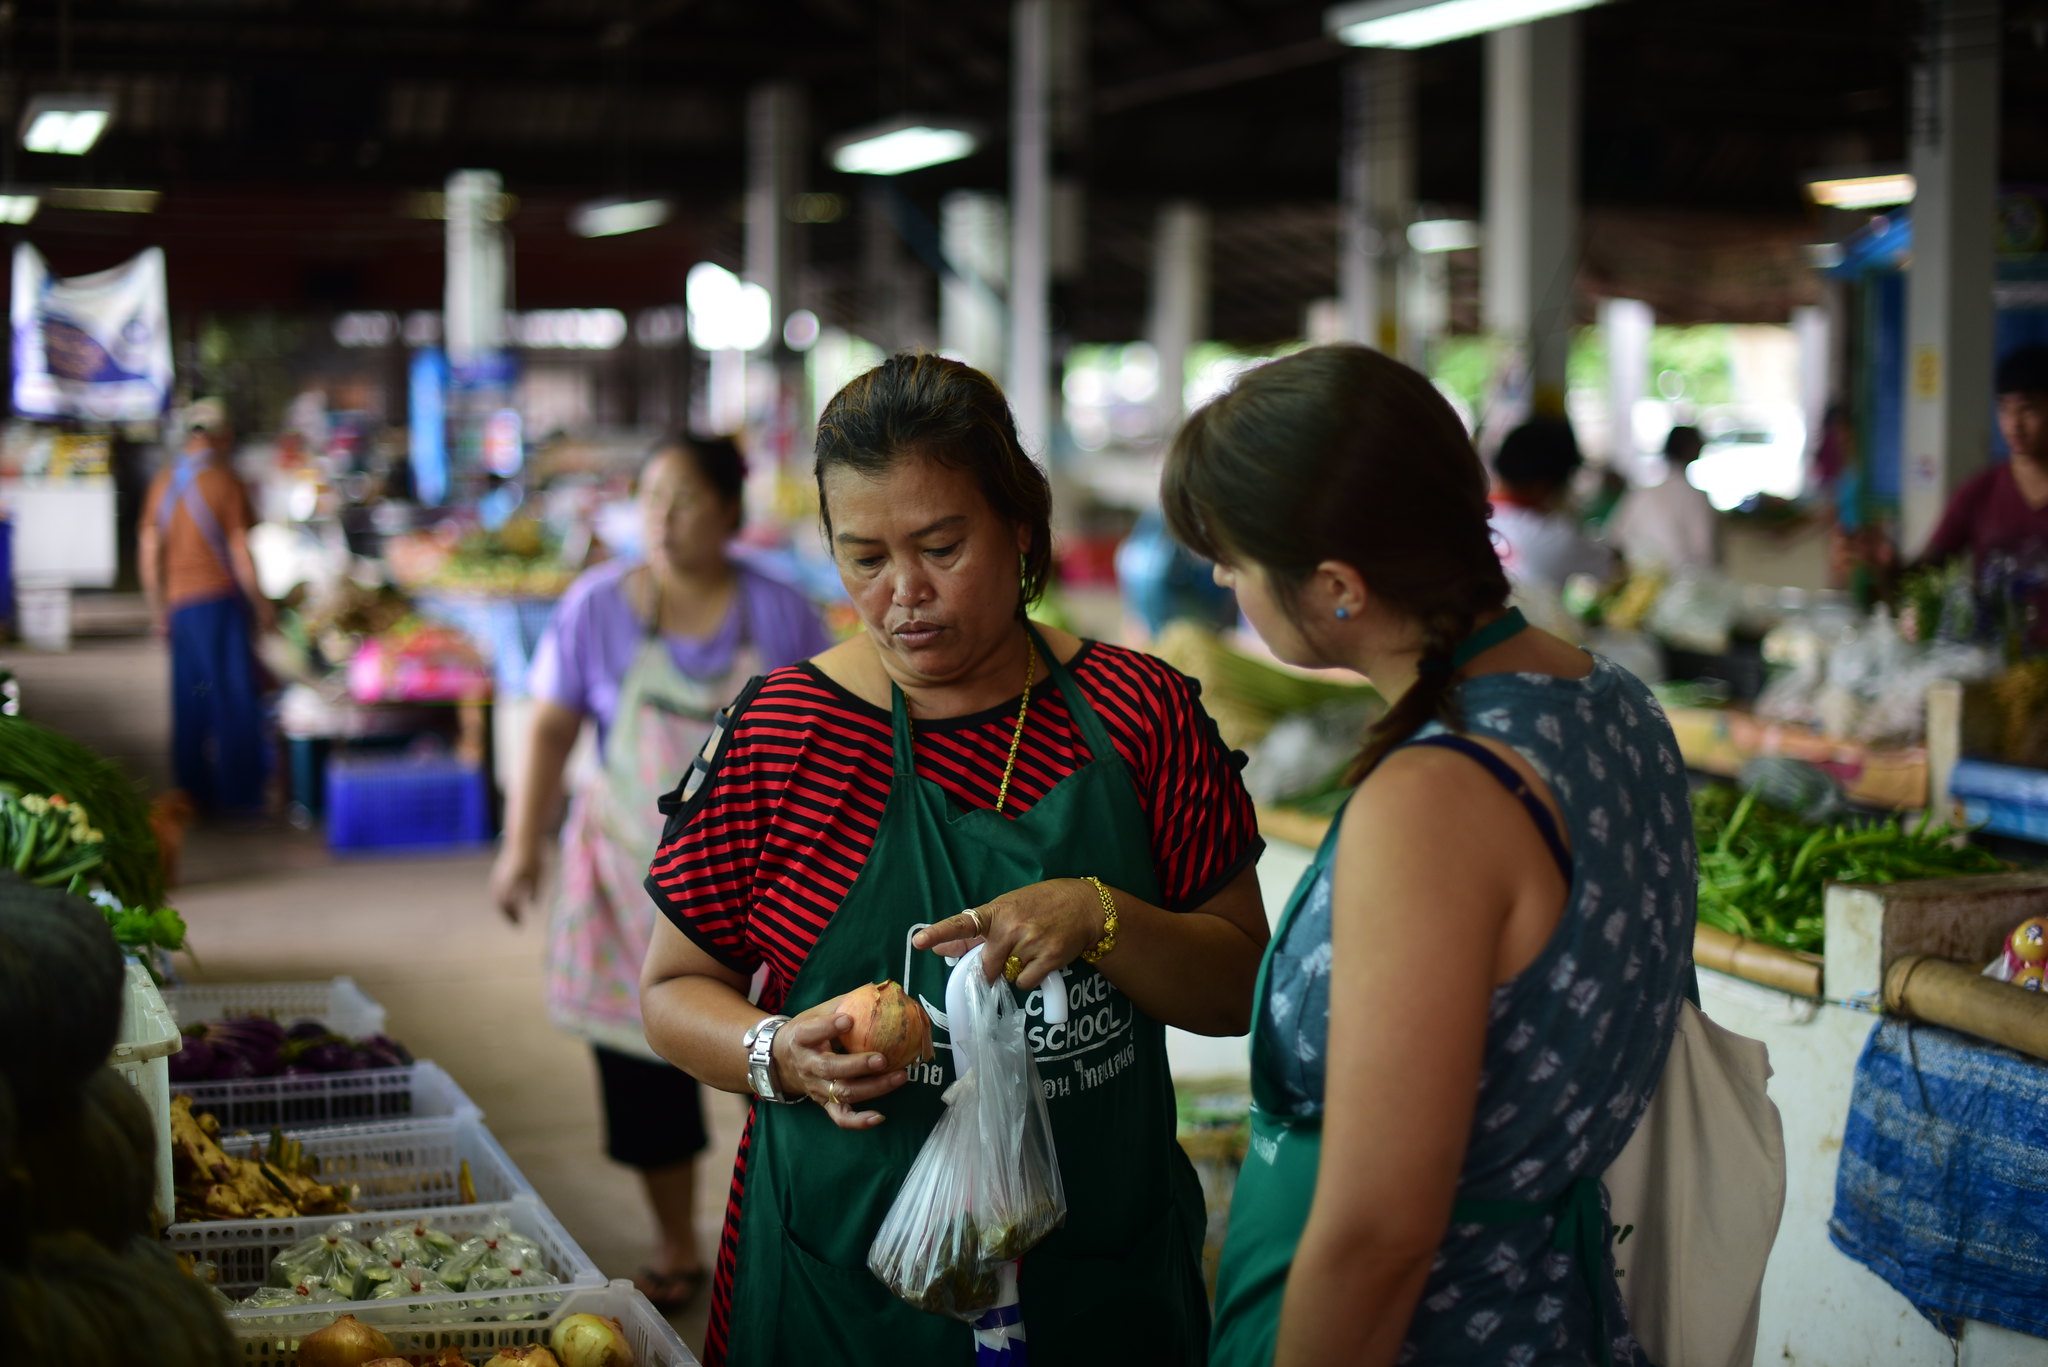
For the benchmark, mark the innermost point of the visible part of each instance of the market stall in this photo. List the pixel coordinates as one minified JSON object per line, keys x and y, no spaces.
{"x":331,"y":1197}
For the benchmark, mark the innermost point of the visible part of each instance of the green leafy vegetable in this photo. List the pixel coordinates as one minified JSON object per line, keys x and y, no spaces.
{"x":1763,"y":871}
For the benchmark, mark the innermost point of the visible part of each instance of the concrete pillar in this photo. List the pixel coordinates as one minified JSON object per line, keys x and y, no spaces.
{"x":1180,"y":303}
{"x":775,"y":150}
{"x":1812,"y":334}
{"x":478,"y":284}
{"x":1378,"y":189}
{"x":1625,"y":326}
{"x":1532,"y":195}
{"x":974,"y":234}
{"x":1045,"y":75}
{"x":1949,"y":322}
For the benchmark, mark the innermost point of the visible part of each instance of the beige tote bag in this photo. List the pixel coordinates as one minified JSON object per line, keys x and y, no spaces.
{"x":1696,"y":1196}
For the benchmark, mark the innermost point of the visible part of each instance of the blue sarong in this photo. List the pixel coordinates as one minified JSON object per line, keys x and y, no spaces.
{"x":1943,"y":1184}
{"x":217,"y":745}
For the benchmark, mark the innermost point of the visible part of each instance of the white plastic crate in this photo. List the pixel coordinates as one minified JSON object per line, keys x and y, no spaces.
{"x":407,"y":1165}
{"x":654,"y":1341}
{"x":421,"y":1090}
{"x":339,"y":1003}
{"x":243,"y":1252}
{"x":142,"y":1055}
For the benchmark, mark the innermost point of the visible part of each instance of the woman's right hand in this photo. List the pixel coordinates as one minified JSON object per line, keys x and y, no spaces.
{"x":515,"y":880}
{"x":805,"y":1064}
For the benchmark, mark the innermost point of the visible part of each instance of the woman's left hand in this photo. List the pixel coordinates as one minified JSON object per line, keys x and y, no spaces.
{"x":1044,"y":926}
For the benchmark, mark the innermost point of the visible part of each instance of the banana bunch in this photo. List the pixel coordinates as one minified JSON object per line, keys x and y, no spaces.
{"x":273,"y":1183}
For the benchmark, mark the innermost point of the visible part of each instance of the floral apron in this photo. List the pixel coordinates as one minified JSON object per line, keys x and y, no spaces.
{"x":603,"y":918}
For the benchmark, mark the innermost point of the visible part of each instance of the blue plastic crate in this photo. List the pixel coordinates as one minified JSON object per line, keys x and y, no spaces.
{"x":380,"y":804}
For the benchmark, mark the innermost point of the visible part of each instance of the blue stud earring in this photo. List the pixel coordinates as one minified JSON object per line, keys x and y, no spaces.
{"x":1343,"y":613}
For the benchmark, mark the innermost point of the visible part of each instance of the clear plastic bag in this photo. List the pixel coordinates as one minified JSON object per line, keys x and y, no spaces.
{"x":986,"y":1186}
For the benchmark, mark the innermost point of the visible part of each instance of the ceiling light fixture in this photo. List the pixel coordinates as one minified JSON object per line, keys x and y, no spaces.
{"x":65,"y":125}
{"x":102,"y":201}
{"x":1870,"y":190}
{"x":1425,"y":23}
{"x":1443,"y":235}
{"x":902,"y":144}
{"x":17,"y":206}
{"x":610,"y":217}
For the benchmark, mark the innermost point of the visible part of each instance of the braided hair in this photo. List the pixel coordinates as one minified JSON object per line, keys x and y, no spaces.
{"x":1341,"y":453}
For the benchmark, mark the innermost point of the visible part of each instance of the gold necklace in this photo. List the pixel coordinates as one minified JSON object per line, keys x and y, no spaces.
{"x":1017,"y":738}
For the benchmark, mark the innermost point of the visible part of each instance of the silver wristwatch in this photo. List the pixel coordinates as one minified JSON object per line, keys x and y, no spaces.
{"x":759,"y":1043}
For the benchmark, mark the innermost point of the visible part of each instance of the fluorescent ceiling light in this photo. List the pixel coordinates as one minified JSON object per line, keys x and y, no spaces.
{"x":433,"y":205}
{"x":1425,"y":23}
{"x":17,"y":208}
{"x":67,"y":125}
{"x":1443,"y":235}
{"x":900,"y":145}
{"x":103,"y":201}
{"x":1874,"y":191}
{"x":610,"y":217}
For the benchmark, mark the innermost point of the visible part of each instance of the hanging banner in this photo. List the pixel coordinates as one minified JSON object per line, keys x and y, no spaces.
{"x":94,"y":346}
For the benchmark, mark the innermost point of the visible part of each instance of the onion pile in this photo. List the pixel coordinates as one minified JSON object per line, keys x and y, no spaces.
{"x":347,"y":1342}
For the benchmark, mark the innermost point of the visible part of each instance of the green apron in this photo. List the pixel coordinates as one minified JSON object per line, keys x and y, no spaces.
{"x":1121,"y":1282}
{"x":1277,"y":1184}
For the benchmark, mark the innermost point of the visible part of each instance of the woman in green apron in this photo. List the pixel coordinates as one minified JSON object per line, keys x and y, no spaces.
{"x":1072,"y":797}
{"x":646,"y":649}
{"x":1466,"y":1007}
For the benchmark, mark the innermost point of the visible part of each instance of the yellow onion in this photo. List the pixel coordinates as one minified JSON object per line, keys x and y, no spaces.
{"x":347,"y":1342}
{"x":530,"y":1355}
{"x":591,"y":1341}
{"x":886,"y":1021}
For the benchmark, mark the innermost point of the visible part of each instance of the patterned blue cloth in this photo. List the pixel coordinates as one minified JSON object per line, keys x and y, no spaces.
{"x":1943,"y":1184}
{"x":1576,"y":1042}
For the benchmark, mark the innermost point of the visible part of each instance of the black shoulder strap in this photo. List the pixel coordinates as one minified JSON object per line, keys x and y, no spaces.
{"x":1505,"y":774}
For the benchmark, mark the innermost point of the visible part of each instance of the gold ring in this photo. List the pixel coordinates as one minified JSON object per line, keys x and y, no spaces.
{"x":974,"y":915}
{"x":832,"y":1090}
{"x":1012,"y":966}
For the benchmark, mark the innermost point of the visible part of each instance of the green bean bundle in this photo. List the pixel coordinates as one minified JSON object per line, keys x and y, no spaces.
{"x":1763,"y":871}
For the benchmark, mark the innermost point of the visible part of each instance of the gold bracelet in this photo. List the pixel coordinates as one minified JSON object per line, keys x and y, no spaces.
{"x":1108,"y":940}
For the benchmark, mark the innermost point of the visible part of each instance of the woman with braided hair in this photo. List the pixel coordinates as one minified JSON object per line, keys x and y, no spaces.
{"x":1467,"y":1004}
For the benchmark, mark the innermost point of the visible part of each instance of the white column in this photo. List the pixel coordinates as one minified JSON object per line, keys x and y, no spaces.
{"x":478,"y":284}
{"x":1954,"y":158}
{"x":1180,"y":302}
{"x":1532,"y":191}
{"x":1813,"y":335}
{"x":1378,"y":188}
{"x":775,"y":147}
{"x":974,"y":233}
{"x":1030,"y":349}
{"x":1625,"y":326}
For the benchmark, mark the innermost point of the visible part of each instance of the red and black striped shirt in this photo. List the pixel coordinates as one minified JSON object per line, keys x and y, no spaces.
{"x":765,"y":841}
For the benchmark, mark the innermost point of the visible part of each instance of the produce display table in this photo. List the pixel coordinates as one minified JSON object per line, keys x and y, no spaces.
{"x":439,"y":1164}
{"x":506,"y":629}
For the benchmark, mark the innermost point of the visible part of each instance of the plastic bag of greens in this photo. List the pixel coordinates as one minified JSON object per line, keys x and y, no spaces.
{"x":333,"y":1257}
{"x":418,"y":1242}
{"x":986,"y":1186}
{"x":495,"y":1247}
{"x":410,"y":1279}
{"x":304,"y":1292}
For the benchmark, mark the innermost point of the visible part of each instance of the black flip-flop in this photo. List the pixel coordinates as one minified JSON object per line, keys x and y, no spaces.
{"x":669,"y":1292}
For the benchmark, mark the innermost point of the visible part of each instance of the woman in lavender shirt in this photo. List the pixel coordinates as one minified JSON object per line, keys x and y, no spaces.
{"x":648,"y":650}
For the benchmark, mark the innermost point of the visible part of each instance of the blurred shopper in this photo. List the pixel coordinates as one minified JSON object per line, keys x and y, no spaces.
{"x":647,"y":650}
{"x":2005,"y":509}
{"x":1468,"y":1002}
{"x":853,"y":806}
{"x":1670,"y":524}
{"x":1540,"y":541}
{"x":203,"y":593}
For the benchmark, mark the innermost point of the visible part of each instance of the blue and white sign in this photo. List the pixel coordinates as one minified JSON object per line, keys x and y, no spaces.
{"x":94,"y":346}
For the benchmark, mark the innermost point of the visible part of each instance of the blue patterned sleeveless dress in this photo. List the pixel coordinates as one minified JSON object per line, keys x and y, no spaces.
{"x":1576,"y":1041}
